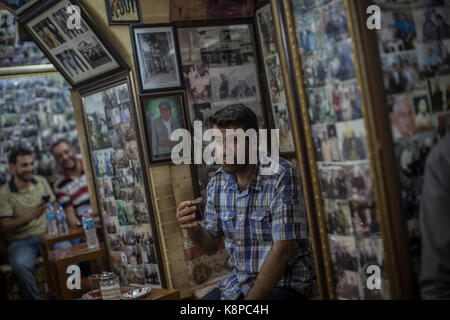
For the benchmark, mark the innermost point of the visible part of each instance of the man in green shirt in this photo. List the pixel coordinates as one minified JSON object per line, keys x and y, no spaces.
{"x":22,"y":218}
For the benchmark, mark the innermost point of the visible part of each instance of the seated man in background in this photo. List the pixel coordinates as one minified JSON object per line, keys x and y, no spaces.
{"x":71,"y":186}
{"x":262,"y":217}
{"x":22,"y":218}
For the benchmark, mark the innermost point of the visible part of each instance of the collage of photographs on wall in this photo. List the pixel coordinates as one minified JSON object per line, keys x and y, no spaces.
{"x":274,"y":78}
{"x":121,"y":186}
{"x":219,"y":68}
{"x":340,"y":141}
{"x":414,"y":46}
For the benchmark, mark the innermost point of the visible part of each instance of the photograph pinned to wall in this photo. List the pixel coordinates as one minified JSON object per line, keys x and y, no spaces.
{"x":432,"y":23}
{"x":424,"y":119}
{"x":364,"y":218}
{"x":434,"y":58}
{"x":401,"y":110}
{"x":232,"y":84}
{"x":327,"y":143}
{"x":358,"y":181}
{"x":332,"y":181}
{"x":163,"y":114}
{"x":103,"y":161}
{"x":352,"y":140}
{"x":217,"y":46}
{"x":266,"y":31}
{"x":439,"y":89}
{"x":112,"y":225}
{"x":197,"y":83}
{"x":97,"y":122}
{"x":125,"y":213}
{"x":79,"y":54}
{"x":393,"y":36}
{"x":348,"y":285}
{"x":316,"y":68}
{"x":343,"y":253}
{"x":340,"y":61}
{"x":275,"y":80}
{"x":338,"y":218}
{"x":282,"y":123}
{"x":307,"y":33}
{"x":320,"y":110}
{"x":123,"y":11}
{"x":156,"y":56}
{"x":401,"y":73}
{"x":333,"y":21}
{"x":345,"y":99}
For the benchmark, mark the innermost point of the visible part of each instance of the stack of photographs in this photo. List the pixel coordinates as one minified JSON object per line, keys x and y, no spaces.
{"x":274,"y":78}
{"x":340,"y":142}
{"x":35,"y":112}
{"x":121,"y":186}
{"x":414,"y":45}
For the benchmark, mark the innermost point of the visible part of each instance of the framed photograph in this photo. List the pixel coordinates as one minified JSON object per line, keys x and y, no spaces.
{"x":163,"y":113}
{"x":117,"y":165}
{"x":181,"y":10}
{"x":156,"y":56}
{"x":82,"y":55}
{"x":123,"y":11}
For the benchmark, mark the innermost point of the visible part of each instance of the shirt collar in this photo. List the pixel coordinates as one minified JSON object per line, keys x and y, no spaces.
{"x":13,"y":187}
{"x":255,"y":182}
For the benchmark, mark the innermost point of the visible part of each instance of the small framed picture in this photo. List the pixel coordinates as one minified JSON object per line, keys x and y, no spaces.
{"x":156,"y":57}
{"x":163,"y":113}
{"x":82,"y":55}
{"x":18,"y":6}
{"x":123,"y":11}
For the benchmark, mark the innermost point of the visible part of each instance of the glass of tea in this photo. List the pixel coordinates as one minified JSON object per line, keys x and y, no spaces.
{"x":199,"y":211}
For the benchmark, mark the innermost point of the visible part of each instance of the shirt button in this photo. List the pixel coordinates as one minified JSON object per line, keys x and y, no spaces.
{"x":239,"y":243}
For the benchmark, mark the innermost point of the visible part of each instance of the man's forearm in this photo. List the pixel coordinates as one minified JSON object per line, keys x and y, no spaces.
{"x":272,"y":270}
{"x":204,"y":240}
{"x":12,"y":224}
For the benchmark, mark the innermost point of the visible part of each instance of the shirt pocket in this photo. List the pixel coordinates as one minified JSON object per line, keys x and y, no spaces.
{"x":260,"y":226}
{"x":227,"y":219}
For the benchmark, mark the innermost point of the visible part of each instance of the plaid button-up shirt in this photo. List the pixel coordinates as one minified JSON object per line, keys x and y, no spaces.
{"x":269,"y":210}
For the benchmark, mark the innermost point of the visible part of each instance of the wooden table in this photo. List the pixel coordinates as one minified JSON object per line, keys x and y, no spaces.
{"x":47,"y":243}
{"x":155,"y":294}
{"x":60,"y":259}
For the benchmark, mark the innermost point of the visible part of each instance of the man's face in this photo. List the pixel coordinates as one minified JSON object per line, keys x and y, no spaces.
{"x":402,"y":118}
{"x":165,"y":112}
{"x":23,"y":168}
{"x":222,"y":150}
{"x":65,"y":156}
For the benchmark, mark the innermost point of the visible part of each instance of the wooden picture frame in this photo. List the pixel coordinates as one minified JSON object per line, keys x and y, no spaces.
{"x":174,"y":107}
{"x":295,"y":58}
{"x":132,"y":6}
{"x":81,"y":55}
{"x":129,"y":125}
{"x":156,"y":70}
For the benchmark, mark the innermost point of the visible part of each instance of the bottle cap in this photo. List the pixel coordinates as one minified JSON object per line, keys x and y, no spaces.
{"x":49,"y":205}
{"x":84,"y":211}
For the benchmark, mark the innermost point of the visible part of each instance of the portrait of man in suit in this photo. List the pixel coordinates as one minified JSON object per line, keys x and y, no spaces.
{"x":161,"y":128}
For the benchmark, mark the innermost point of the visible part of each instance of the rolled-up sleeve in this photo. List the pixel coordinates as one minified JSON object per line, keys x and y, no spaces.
{"x":212,"y":222}
{"x":289,"y":220}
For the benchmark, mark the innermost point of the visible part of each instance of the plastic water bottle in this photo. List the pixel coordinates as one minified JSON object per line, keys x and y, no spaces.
{"x":89,"y":229}
{"x":52,"y":229}
{"x":61,"y":220}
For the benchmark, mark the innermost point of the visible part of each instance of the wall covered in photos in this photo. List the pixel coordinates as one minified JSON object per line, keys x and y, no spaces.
{"x":219,"y":65}
{"x":15,"y":53}
{"x":35,"y":112}
{"x":340,"y":143}
{"x":274,"y":78}
{"x":120,"y":181}
{"x":414,"y":47}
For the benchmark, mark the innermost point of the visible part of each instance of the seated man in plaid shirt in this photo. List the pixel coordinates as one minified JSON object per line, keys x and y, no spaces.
{"x":262,"y":218}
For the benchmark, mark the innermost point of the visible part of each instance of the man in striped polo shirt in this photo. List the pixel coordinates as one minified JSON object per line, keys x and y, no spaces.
{"x":71,"y":188}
